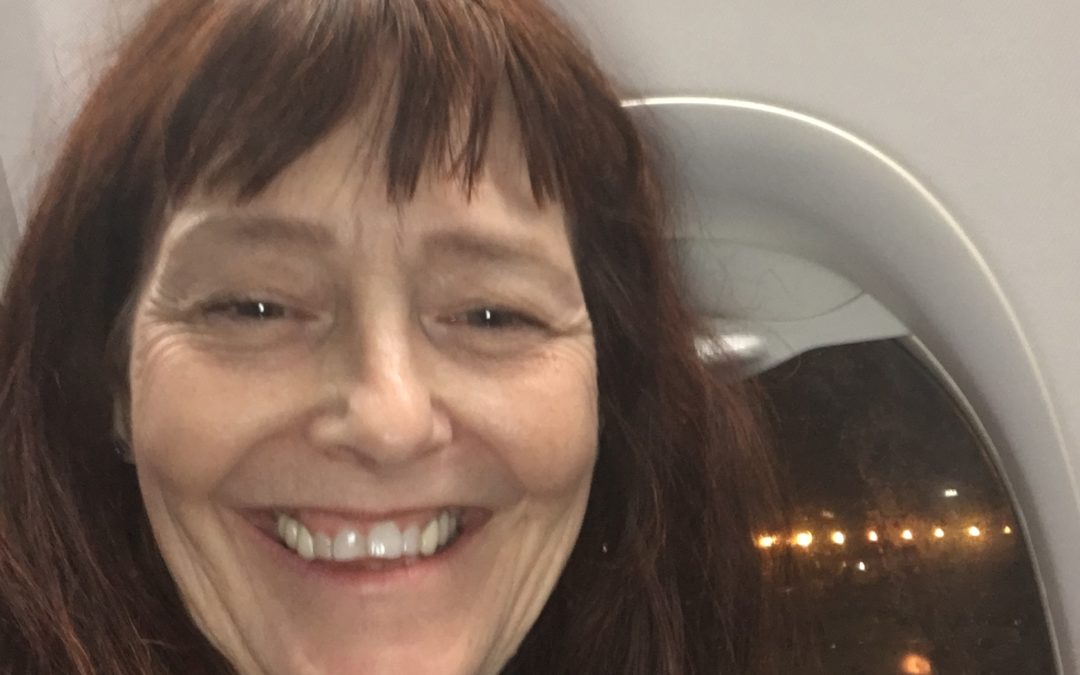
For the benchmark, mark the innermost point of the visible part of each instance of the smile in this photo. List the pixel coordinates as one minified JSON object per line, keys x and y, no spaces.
{"x":319,"y":536}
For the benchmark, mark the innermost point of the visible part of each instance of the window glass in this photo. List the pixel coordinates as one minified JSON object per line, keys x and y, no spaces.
{"x":909,"y":549}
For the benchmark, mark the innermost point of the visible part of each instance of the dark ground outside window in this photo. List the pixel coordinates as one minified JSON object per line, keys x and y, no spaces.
{"x":913,"y":559}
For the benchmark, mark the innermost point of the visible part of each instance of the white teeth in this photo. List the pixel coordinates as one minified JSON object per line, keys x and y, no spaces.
{"x":305,"y":545}
{"x":410,"y":541}
{"x":349,"y":545}
{"x":429,"y":538}
{"x":444,"y":527}
{"x":292,"y":531}
{"x":324,"y":547}
{"x":385,"y":540}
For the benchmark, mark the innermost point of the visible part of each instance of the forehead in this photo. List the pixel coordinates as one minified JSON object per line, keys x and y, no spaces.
{"x":340,"y":183}
{"x":350,"y":165}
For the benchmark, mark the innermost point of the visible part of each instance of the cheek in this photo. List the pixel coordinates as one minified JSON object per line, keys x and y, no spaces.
{"x":193,"y":417}
{"x":542,"y":423}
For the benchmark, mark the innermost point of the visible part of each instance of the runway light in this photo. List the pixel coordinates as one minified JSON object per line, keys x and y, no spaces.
{"x":906,"y":535}
{"x":861,"y":566}
{"x":915,"y":664}
{"x":871,"y":535}
{"x":951,"y":492}
{"x":838,"y":538}
{"x":938,"y":532}
{"x":974,"y":531}
{"x":1006,"y":530}
{"x":766,"y":541}
{"x":804,"y":539}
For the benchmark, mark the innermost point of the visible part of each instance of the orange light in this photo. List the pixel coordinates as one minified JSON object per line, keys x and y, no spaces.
{"x":838,"y":538}
{"x":766,"y":541}
{"x":1006,"y":530}
{"x":939,"y":533}
{"x":974,"y":531}
{"x":915,"y":664}
{"x":871,"y":535}
{"x":804,"y":539}
{"x":906,"y":535}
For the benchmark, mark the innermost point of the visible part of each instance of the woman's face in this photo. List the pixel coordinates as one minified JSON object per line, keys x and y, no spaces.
{"x":365,"y":433}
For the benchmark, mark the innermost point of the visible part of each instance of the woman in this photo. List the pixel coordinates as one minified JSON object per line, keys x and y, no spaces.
{"x":343,"y":339}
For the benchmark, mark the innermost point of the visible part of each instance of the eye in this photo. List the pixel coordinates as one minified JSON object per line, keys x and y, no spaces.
{"x":246,"y":310}
{"x":495,"y":318}
{"x":260,"y":321}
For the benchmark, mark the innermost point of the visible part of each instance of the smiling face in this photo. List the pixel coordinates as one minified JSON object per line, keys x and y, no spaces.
{"x":321,"y":380}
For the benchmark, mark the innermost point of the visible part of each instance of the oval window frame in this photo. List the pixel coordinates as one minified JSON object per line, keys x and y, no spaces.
{"x":741,"y":163}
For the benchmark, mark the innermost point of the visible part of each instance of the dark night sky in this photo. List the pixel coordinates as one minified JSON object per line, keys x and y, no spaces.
{"x":865,"y":426}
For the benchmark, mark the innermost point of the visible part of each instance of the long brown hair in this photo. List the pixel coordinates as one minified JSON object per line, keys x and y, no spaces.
{"x":664,"y":578}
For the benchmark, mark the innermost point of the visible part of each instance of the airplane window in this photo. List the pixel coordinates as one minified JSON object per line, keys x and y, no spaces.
{"x":904,"y":536}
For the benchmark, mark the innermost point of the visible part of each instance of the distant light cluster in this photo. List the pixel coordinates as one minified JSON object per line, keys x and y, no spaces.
{"x":804,"y":539}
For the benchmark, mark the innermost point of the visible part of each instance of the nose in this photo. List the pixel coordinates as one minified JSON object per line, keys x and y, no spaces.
{"x":382,"y":411}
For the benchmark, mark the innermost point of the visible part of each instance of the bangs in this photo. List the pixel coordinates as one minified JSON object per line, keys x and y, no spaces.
{"x":265,"y":80}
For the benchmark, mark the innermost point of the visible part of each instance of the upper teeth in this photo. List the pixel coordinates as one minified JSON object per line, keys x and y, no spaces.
{"x":385,"y":540}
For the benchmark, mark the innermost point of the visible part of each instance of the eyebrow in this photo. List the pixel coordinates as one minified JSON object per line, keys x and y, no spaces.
{"x":458,"y":242}
{"x":485,"y":249}
{"x":258,"y":229}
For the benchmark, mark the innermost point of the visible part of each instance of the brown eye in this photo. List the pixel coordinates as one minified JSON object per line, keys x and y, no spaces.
{"x":255,"y":324}
{"x":246,"y":310}
{"x":491,"y":318}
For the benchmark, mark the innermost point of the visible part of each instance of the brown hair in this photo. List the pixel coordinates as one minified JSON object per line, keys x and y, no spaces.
{"x":664,"y":578}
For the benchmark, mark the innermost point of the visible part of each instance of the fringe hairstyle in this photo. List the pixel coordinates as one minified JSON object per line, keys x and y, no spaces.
{"x":231,"y":92}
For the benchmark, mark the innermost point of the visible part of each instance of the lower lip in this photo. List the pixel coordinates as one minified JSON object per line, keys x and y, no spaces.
{"x":412,"y":573}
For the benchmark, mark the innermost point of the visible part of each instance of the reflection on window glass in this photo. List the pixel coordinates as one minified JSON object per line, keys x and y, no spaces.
{"x":911,"y":554}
